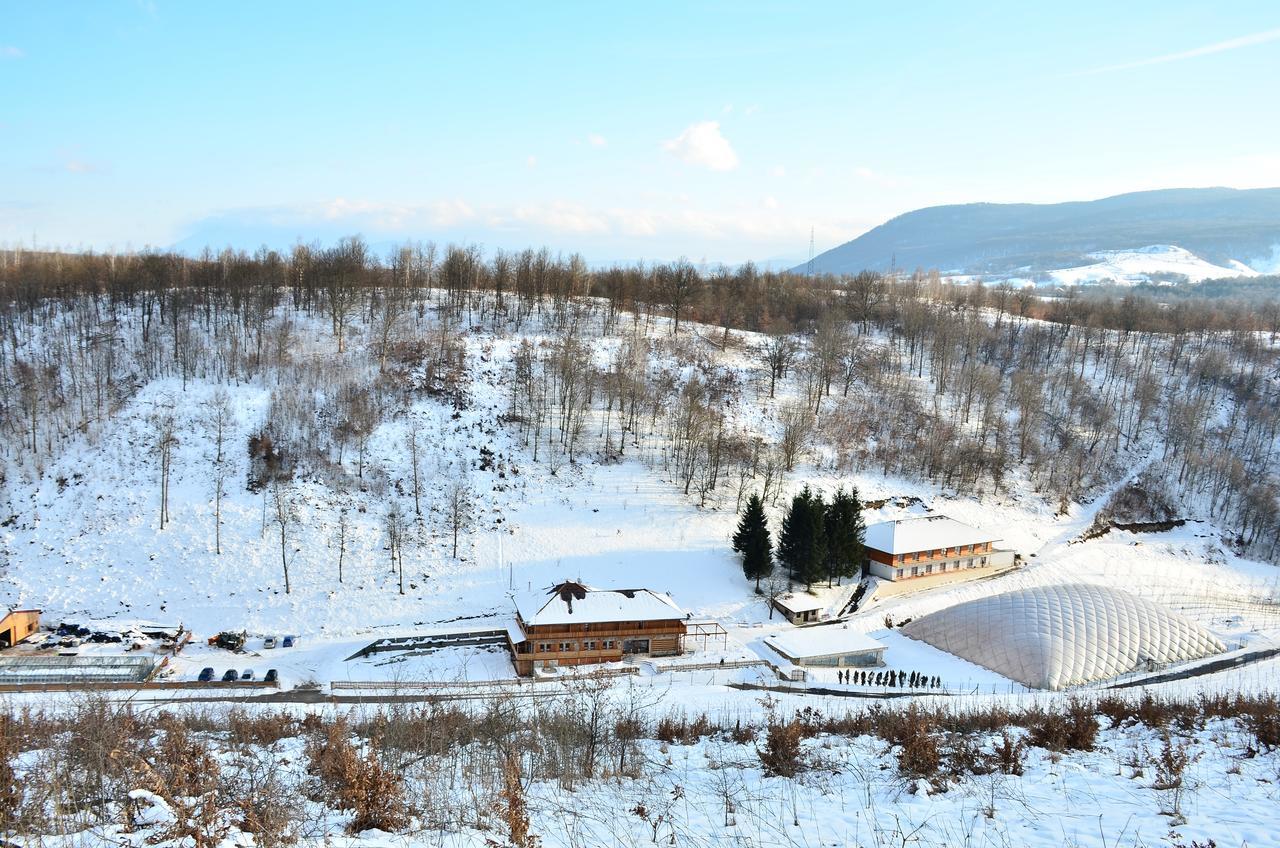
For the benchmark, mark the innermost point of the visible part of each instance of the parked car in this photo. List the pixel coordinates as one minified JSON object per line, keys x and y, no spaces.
{"x":247,"y":674}
{"x":288,"y":642}
{"x":269,"y":642}
{"x":206,"y":674}
{"x":230,"y":676}
{"x":272,"y":676}
{"x":69,"y":642}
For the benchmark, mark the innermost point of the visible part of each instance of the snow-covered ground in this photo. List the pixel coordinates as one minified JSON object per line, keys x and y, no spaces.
{"x":85,"y":541}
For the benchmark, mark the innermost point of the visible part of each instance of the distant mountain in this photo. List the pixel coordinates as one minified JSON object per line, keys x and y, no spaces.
{"x":1222,"y":226}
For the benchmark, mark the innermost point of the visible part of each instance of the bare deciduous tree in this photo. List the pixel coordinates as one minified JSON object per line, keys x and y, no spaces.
{"x":458,"y":508}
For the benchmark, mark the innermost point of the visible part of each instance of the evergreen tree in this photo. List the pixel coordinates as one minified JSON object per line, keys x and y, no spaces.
{"x":846,"y":531}
{"x":802,"y":543}
{"x":753,"y":542}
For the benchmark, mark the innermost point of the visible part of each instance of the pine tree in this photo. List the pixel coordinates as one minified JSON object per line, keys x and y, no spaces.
{"x":846,"y":531}
{"x":752,"y":540}
{"x":802,"y":543}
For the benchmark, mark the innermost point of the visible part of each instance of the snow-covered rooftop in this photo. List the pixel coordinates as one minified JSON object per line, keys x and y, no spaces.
{"x":800,"y":602}
{"x":574,"y":603}
{"x":821,"y":642}
{"x":923,"y":533}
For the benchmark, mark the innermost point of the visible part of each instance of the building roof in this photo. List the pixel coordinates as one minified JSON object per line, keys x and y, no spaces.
{"x":923,"y":533}
{"x":799,"y":602}
{"x":825,"y":641}
{"x":576,"y":603}
{"x":1050,"y":637}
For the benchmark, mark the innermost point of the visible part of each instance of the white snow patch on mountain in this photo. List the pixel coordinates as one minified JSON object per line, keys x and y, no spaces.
{"x":1148,"y":264}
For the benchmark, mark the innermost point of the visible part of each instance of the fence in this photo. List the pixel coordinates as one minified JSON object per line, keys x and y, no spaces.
{"x":504,"y":684}
{"x":115,"y":686}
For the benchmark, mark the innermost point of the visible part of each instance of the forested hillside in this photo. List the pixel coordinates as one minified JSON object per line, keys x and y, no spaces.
{"x":982,"y":391}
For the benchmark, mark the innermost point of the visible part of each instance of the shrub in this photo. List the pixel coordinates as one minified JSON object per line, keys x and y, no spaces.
{"x":373,"y":793}
{"x":1076,"y":729}
{"x":513,"y":809}
{"x":743,"y":733}
{"x":1009,"y":754}
{"x":1263,"y":720}
{"x":263,"y":730}
{"x":920,"y":756}
{"x":781,"y":755}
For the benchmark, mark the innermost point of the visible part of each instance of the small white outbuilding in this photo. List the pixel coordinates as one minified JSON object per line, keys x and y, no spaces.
{"x":832,"y":646}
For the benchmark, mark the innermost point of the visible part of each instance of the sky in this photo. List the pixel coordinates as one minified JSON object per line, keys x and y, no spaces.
{"x":720,"y":132}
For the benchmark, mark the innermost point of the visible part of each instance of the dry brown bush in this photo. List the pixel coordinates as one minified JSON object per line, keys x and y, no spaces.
{"x":373,"y":793}
{"x":781,"y":755}
{"x":1009,"y":754}
{"x":1074,"y":729}
{"x":265,"y":729}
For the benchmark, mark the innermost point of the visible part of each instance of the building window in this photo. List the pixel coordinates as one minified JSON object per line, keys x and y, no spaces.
{"x":915,"y":570}
{"x":568,"y":646}
{"x":589,"y":646}
{"x":544,"y":647}
{"x":899,"y":577}
{"x":984,"y":560}
{"x":609,"y":644}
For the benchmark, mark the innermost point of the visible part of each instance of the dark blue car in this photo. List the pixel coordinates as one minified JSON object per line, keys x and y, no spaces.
{"x":206,"y":674}
{"x":287,"y":643}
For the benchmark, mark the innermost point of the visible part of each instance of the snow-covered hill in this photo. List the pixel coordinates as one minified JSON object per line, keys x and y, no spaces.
{"x":84,"y":540}
{"x":1154,"y":263}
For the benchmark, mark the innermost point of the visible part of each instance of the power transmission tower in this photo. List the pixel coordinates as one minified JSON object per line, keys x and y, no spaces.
{"x":808,"y":271}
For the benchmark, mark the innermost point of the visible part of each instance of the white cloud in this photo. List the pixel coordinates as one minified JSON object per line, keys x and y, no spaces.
{"x":1208,"y":49}
{"x":8,"y":51}
{"x":596,"y":140}
{"x":702,"y":144}
{"x":763,"y":222}
{"x":531,"y":161}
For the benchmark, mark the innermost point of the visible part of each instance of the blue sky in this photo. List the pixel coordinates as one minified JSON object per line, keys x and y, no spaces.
{"x":716,"y":131}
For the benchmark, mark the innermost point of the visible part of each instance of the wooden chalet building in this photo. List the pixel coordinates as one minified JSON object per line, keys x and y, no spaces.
{"x":574,"y":624}
{"x":928,"y":545}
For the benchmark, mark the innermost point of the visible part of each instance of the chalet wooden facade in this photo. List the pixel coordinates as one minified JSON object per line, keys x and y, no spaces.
{"x":573,"y":624}
{"x":927,"y":545}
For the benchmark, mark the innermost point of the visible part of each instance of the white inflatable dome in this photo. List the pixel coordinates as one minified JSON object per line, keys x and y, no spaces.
{"x":1051,"y":637}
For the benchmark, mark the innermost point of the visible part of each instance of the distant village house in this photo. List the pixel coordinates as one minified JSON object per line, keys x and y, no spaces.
{"x":933,"y":544}
{"x":574,"y":624}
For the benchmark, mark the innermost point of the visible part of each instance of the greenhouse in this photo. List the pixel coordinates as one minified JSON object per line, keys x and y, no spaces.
{"x":1052,"y":637}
